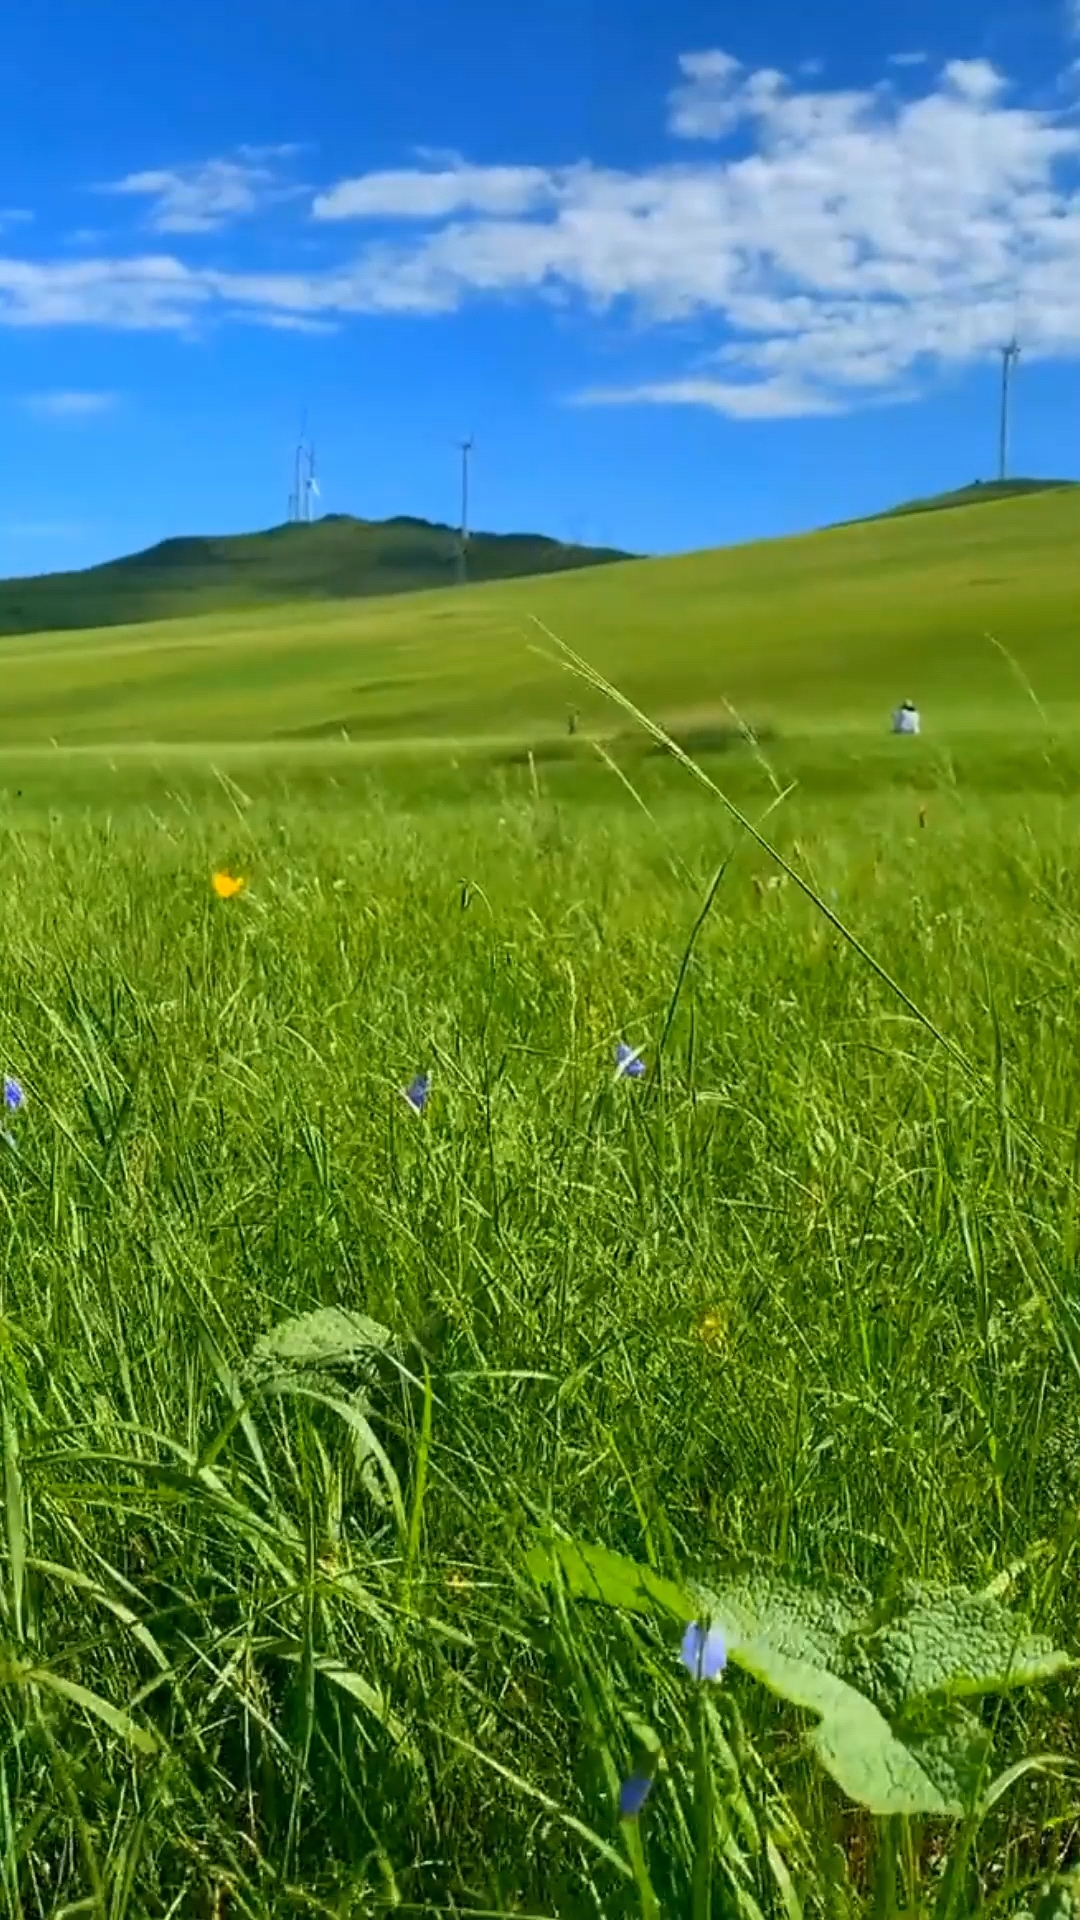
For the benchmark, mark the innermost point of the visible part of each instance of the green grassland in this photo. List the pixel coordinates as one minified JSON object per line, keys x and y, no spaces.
{"x":284,"y":1628}
{"x":820,"y":633}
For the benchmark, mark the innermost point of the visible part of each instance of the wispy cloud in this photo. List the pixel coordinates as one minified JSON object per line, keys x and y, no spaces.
{"x":433,"y":194}
{"x":779,"y":399}
{"x":210,"y":194}
{"x":69,"y":404}
{"x":14,"y":217}
{"x":908,"y":59}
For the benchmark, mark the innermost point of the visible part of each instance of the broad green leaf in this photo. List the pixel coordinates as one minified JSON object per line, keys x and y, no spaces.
{"x":781,"y":1635}
{"x":953,"y":1645}
{"x":806,"y":1622}
{"x":595,"y":1573}
{"x":854,"y":1742}
{"x":331,"y":1336}
{"x":791,"y":1639}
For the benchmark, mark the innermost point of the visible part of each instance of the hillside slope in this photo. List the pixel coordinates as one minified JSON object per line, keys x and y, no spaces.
{"x":980,"y":493}
{"x":808,"y":635}
{"x":336,"y":558}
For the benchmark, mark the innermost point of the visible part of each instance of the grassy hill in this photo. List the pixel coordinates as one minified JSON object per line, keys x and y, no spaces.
{"x":979,"y":493}
{"x":805,"y":636}
{"x":333,"y":558}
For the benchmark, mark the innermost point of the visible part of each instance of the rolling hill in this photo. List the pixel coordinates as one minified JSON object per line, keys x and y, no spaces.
{"x":335,"y":558}
{"x":811,"y":636}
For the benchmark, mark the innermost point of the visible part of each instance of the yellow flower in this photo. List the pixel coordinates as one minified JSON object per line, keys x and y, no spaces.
{"x":225,"y":885}
{"x":712,"y":1327}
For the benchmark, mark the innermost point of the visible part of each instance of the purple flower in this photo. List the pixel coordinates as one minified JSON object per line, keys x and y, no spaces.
{"x":416,"y":1094}
{"x":633,"y":1794}
{"x":703,"y":1651}
{"x":628,"y":1063}
{"x":13,"y":1095}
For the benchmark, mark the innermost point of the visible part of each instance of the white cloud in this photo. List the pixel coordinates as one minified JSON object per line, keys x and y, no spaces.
{"x":284,"y":322}
{"x":908,"y":59}
{"x":13,"y":217}
{"x":855,"y":242}
{"x":429,"y":194}
{"x":713,"y":97}
{"x":70,"y":405}
{"x":210,"y":194}
{"x":780,"y":399}
{"x":974,"y":80}
{"x":861,"y":240}
{"x":152,"y":292}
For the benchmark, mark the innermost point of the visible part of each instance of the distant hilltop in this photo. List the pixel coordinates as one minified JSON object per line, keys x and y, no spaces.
{"x":334,"y":558}
{"x":978,"y":492}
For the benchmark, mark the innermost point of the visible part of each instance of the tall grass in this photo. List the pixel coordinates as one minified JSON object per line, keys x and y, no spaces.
{"x":804,"y":1297}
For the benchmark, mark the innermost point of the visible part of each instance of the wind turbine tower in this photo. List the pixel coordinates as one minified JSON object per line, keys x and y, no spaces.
{"x":304,"y":457}
{"x":465,"y":448}
{"x":1010,"y":354}
{"x":311,"y":485}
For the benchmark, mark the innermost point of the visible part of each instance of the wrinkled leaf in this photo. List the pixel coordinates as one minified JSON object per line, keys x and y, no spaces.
{"x":854,"y":1741}
{"x":806,"y":1622}
{"x":331,"y":1336}
{"x":954,"y":1645}
{"x":953,"y":1749}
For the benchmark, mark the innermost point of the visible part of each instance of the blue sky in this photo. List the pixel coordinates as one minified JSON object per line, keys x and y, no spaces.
{"x":690,"y":273}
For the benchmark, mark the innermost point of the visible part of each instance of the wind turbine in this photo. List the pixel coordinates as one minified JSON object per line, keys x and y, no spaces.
{"x":311,"y":485}
{"x":465,"y":447}
{"x":297,"y":498}
{"x":1010,"y":354}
